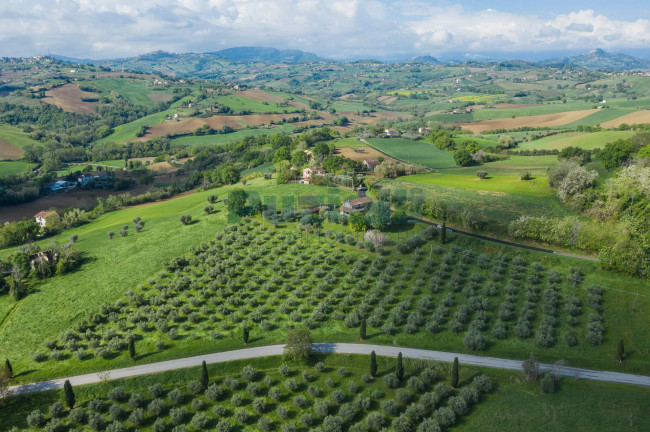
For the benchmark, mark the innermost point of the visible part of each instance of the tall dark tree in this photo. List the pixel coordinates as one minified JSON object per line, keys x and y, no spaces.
{"x":9,"y":368}
{"x":399,"y":370}
{"x":205,"y":380}
{"x":620,"y":351}
{"x":362,"y":329}
{"x":373,"y":364}
{"x":454,"y":373}
{"x":443,"y":234}
{"x":68,"y":394}
{"x":245,"y":334}
{"x":132,"y":349}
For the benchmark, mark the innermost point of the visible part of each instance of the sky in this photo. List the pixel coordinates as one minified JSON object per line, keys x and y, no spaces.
{"x":337,"y":29}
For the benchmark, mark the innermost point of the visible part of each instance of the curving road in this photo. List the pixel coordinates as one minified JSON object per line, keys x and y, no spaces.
{"x":338,"y":348}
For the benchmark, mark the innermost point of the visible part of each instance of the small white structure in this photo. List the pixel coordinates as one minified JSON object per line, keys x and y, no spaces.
{"x":391,"y":133}
{"x":310,"y":171}
{"x":41,"y":217}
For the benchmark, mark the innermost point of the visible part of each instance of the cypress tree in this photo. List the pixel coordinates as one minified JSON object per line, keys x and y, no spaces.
{"x":399,"y":370}
{"x":454,"y":373}
{"x":8,"y":367}
{"x":204,"y":375}
{"x":245,"y":334}
{"x":443,"y":234}
{"x":68,"y":394}
{"x":362,"y":329}
{"x":620,"y":351}
{"x":373,"y":364}
{"x":132,"y":349}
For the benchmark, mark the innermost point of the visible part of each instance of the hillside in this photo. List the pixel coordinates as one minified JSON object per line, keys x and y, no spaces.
{"x":599,"y":59}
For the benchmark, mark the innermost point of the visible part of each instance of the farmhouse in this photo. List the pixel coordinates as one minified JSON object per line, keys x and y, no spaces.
{"x":60,"y":185}
{"x":391,"y":133}
{"x":356,"y":205}
{"x":371,"y":164}
{"x":315,"y":170}
{"x":41,"y":217}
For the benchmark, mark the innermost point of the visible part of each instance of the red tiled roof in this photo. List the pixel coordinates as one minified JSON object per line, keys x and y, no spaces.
{"x":360,"y":201}
{"x":44,"y":214}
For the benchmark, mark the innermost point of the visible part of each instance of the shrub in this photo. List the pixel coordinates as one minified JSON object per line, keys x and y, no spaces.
{"x":390,"y":408}
{"x":338,"y":396}
{"x":274,"y":394}
{"x":175,"y":396}
{"x":237,"y":400}
{"x":415,"y":385}
{"x":475,"y":340}
{"x":117,"y":394}
{"x":156,"y":406}
{"x":115,"y":426}
{"x":291,"y":384}
{"x":96,"y":422}
{"x":332,"y":424}
{"x":214,"y":392}
{"x":155,"y":390}
{"x":185,"y":219}
{"x":136,"y":400}
{"x":347,"y":412}
{"x":241,"y":415}
{"x":374,"y":421}
{"x":470,"y":395}
{"x":482,"y":383}
{"x":97,"y":405}
{"x":264,"y":423}
{"x":116,"y":412}
{"x":78,"y":416}
{"x":198,"y":405}
{"x":428,"y":375}
{"x":547,"y":384}
{"x":445,"y":416}
{"x":285,"y":370}
{"x":428,"y":425}
{"x":259,"y":405}
{"x":300,"y":401}
{"x":391,"y":381}
{"x":320,"y":367}
{"x":402,"y":396}
{"x":159,"y":425}
{"x":401,"y":424}
{"x":56,"y":410}
{"x":249,"y":373}
{"x":36,"y":418}
{"x":177,"y":415}
{"x":137,"y":417}
{"x":200,"y":421}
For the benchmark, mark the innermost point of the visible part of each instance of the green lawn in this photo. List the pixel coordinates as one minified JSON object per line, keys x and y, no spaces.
{"x":416,"y":152}
{"x":134,"y":90}
{"x":494,"y":183}
{"x":241,"y":103}
{"x":584,"y":140}
{"x":13,"y":167}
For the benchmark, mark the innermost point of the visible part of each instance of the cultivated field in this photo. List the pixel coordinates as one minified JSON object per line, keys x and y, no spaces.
{"x":13,"y":167}
{"x":416,"y":152}
{"x":367,"y":153}
{"x":589,"y":141}
{"x":532,"y":121}
{"x":69,"y":98}
{"x":504,"y":184}
{"x":9,"y":151}
{"x":636,"y":117}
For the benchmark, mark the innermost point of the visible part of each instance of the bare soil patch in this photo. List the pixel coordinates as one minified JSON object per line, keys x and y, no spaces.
{"x":631,"y":118}
{"x":387,"y":99}
{"x":68,"y":98}
{"x":9,"y":151}
{"x":368,"y":153}
{"x":160,"y":97}
{"x":162,"y":168}
{"x":261,"y":95}
{"x":558,"y":119}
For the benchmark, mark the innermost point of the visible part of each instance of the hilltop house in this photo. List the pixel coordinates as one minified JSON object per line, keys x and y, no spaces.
{"x":41,"y":217}
{"x":391,"y":133}
{"x":356,"y":205}
{"x":371,"y":164}
{"x":310,"y":171}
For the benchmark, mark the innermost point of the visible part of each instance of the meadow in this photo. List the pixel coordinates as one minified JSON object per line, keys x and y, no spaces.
{"x":415,"y":152}
{"x":493,"y":183}
{"x":13,"y":167}
{"x":241,"y":103}
{"x":584,"y":140}
{"x":136,"y":91}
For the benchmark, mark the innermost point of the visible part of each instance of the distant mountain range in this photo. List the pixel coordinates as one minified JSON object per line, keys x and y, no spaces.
{"x":208,"y":64}
{"x":599,"y":59}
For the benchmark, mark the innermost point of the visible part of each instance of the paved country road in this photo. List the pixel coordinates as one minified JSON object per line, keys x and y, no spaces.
{"x":339,"y":348}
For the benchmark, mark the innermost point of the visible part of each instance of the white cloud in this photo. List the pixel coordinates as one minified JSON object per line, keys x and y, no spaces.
{"x":333,"y":28}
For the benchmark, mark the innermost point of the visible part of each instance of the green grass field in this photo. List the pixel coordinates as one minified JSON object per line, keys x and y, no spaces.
{"x":584,"y":140}
{"x":134,"y":90}
{"x":506,"y":184}
{"x":241,"y":103}
{"x":460,"y":139}
{"x":554,"y":108}
{"x":221,"y":139}
{"x":13,"y":167}
{"x":416,"y":152}
{"x":16,"y":136}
